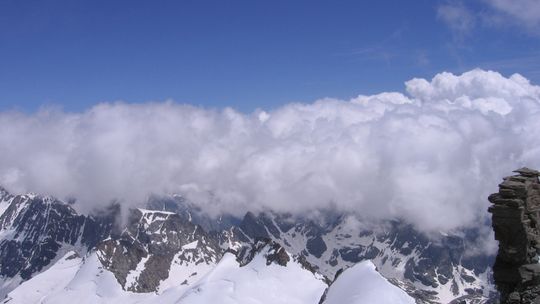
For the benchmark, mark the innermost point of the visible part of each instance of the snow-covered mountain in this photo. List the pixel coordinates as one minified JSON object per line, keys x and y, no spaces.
{"x":155,"y":244}
{"x":173,"y":252}
{"x":363,"y":284}
{"x":271,"y":276}
{"x":35,"y":231}
{"x":432,"y":270}
{"x":265,"y":274}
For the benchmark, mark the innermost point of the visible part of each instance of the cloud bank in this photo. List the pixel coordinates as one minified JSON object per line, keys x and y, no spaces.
{"x":430,"y":156}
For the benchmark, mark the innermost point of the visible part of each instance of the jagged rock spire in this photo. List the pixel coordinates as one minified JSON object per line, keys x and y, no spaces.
{"x":515,"y":219}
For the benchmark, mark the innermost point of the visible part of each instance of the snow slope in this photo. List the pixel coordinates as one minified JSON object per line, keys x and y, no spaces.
{"x":48,"y":282}
{"x":84,"y":280}
{"x":362,"y":284}
{"x":436,"y":270}
{"x":256,"y":283}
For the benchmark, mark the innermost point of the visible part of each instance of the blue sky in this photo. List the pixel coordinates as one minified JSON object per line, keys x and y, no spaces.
{"x":250,"y":54}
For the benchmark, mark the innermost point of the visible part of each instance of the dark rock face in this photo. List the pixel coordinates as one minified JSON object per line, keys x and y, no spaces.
{"x":254,"y":227}
{"x":141,"y":256}
{"x":278,"y":255}
{"x":515,"y":215}
{"x":273,"y":252}
{"x":35,"y":228}
{"x":316,"y":246}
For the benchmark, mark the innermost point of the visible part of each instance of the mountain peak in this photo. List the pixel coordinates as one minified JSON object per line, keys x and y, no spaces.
{"x":3,"y":191}
{"x":154,"y":245}
{"x":272,"y":251}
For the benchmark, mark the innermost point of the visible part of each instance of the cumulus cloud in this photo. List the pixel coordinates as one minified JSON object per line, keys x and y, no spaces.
{"x":429,"y":156}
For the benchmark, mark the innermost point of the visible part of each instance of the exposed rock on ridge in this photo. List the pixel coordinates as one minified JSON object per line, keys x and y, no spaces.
{"x":515,"y":219}
{"x":425,"y":268}
{"x":34,"y":229}
{"x":154,"y":241}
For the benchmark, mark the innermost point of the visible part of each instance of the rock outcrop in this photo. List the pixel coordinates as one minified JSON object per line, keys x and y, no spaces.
{"x":515,"y":219}
{"x":152,"y":244}
{"x":34,"y":229}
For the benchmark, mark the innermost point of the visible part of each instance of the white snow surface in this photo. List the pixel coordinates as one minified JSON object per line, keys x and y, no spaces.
{"x":362,"y":284}
{"x":81,"y":281}
{"x":256,"y":283}
{"x":192,"y":245}
{"x":4,"y":204}
{"x":84,"y":280}
{"x":133,"y":275}
{"x":185,"y":272}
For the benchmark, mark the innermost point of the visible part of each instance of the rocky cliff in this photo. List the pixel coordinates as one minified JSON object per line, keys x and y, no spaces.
{"x":155,"y":244}
{"x":35,"y":231}
{"x":515,"y":219}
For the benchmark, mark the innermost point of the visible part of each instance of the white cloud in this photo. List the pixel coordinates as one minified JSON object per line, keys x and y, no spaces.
{"x":524,"y":13}
{"x":460,"y":19}
{"x":431,"y":156}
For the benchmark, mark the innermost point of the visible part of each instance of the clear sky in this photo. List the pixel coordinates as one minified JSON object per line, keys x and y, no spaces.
{"x":250,"y":54}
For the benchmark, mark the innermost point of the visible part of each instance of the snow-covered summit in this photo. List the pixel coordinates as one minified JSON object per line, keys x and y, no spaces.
{"x":362,"y":284}
{"x":84,"y":280}
{"x":271,"y":276}
{"x":432,"y":271}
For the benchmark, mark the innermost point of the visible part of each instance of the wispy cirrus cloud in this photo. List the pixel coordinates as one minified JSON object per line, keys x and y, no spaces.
{"x":459,"y":19}
{"x":522,"y":13}
{"x":462,"y":18}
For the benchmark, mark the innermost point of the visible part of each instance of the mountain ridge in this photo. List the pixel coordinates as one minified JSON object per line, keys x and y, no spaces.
{"x":149,"y":255}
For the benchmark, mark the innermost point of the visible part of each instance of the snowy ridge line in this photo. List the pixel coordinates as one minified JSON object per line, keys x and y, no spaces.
{"x":401,"y":255}
{"x":159,"y":250}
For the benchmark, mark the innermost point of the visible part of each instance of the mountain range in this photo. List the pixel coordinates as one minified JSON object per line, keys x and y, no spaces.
{"x":172,"y":251}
